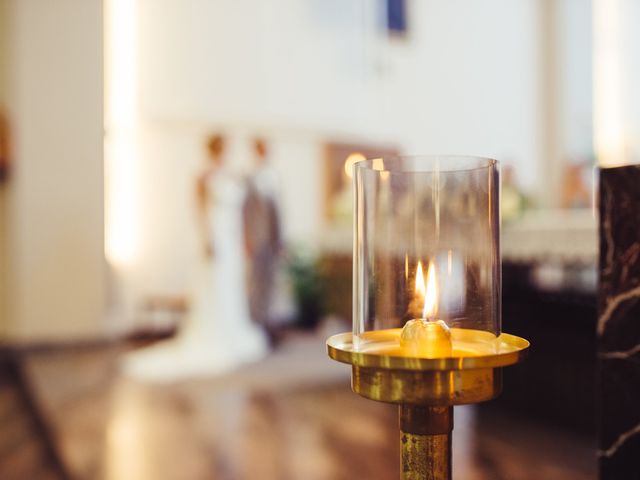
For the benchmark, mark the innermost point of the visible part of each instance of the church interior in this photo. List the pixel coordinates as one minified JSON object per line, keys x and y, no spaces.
{"x":177,"y":231}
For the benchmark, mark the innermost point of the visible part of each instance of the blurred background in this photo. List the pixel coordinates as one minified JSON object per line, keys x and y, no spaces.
{"x":111,"y":191}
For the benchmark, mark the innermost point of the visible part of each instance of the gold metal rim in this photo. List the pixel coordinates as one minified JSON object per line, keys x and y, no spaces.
{"x":512,"y":349}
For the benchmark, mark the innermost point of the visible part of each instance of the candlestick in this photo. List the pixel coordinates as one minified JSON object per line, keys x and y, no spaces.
{"x":426,"y":346}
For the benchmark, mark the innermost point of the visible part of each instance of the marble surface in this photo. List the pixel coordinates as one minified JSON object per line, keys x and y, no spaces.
{"x":291,"y":416}
{"x":618,"y":326}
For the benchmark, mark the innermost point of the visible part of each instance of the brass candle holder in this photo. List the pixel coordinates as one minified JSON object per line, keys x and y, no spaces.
{"x":426,"y":389}
{"x":426,"y":340}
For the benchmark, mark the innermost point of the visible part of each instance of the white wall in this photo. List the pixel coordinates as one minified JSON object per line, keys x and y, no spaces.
{"x":303,"y":72}
{"x":616,"y":79}
{"x":630,"y":46}
{"x":472,"y":78}
{"x":575,"y":87}
{"x":464,"y":81}
{"x":54,"y":218}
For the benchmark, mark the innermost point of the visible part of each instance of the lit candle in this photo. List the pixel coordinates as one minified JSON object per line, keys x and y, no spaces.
{"x":427,"y":336}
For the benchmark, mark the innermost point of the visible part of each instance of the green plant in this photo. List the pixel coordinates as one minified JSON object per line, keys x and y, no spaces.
{"x":308,"y":288}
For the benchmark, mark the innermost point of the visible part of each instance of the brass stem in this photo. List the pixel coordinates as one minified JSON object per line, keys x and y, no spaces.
{"x":425,"y":442}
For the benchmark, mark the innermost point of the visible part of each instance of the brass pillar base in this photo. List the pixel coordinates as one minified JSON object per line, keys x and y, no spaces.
{"x":425,"y":442}
{"x":429,"y":387}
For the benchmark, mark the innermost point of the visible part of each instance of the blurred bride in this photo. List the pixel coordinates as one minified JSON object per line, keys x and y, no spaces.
{"x":219,"y":334}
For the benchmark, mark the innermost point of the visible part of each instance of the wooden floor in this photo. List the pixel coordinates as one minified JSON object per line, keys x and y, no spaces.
{"x":292,"y":416}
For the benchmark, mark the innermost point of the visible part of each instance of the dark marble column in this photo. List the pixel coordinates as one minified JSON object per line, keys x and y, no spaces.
{"x":619,"y":323}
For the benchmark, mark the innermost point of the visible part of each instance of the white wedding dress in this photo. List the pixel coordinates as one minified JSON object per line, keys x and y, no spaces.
{"x":219,"y":334}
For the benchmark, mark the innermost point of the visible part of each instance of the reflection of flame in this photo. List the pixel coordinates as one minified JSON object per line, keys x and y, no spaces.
{"x":431,"y":293}
{"x":378,"y":164}
{"x":350,"y":161}
{"x":406,"y":267}
{"x":420,"y":281}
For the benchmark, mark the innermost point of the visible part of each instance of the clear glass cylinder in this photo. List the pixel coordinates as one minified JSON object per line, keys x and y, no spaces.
{"x":426,"y":244}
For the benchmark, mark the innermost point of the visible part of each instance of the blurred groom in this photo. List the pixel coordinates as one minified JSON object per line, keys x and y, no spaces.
{"x":263,"y":236}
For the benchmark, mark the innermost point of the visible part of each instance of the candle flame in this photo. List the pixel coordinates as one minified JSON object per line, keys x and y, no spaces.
{"x":431,"y":293}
